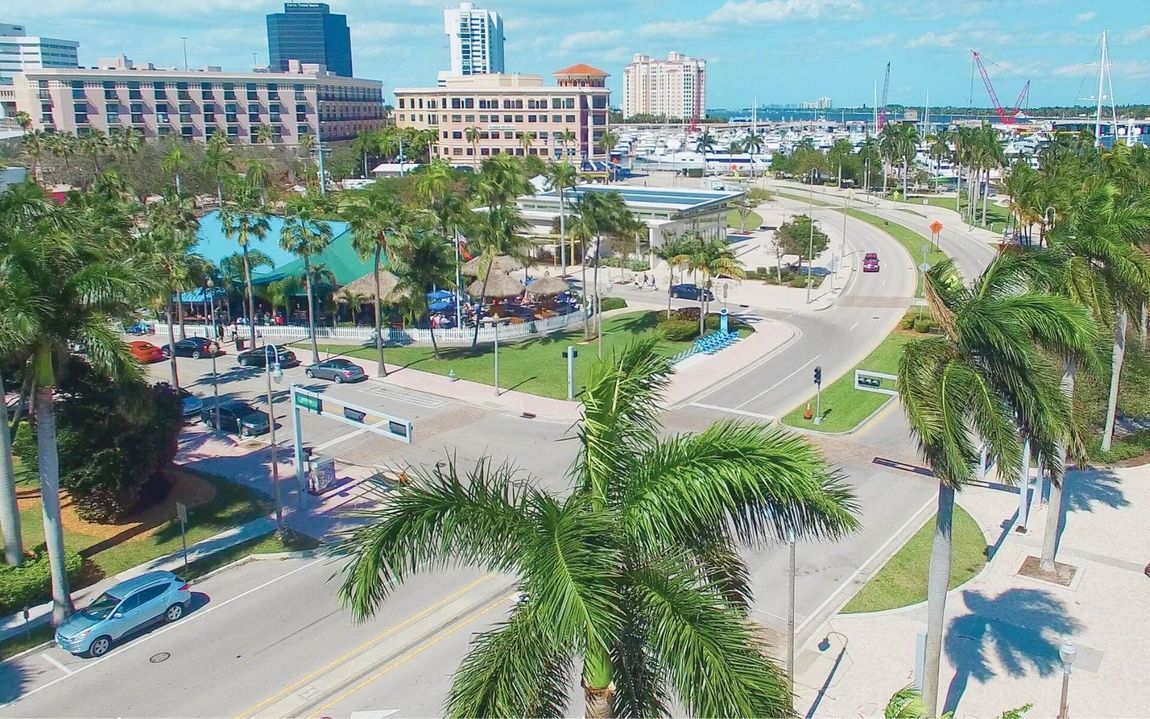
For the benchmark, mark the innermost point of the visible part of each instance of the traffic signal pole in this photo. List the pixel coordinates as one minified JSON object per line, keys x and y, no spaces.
{"x":818,"y":394}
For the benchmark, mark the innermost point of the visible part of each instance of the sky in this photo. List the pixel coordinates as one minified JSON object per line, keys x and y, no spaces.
{"x":780,"y":51}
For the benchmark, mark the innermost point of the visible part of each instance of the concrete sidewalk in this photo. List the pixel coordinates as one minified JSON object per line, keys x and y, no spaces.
{"x":15,"y":624}
{"x":1003,"y":630}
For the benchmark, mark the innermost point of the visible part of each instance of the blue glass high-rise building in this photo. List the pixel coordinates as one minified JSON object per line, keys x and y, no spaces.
{"x":309,"y":32}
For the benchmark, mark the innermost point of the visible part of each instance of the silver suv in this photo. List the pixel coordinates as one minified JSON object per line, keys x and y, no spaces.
{"x":129,"y":606}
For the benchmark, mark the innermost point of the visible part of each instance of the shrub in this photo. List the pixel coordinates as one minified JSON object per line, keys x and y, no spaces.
{"x":686,"y":313}
{"x":31,"y":584}
{"x":906,"y":323}
{"x":679,"y":330}
{"x":798,"y":281}
{"x":922,"y":326}
{"x":734,"y":324}
{"x":612,"y":303}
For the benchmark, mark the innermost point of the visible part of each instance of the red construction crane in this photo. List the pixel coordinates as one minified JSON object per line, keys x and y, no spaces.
{"x":882,"y":106}
{"x":1006,"y":118}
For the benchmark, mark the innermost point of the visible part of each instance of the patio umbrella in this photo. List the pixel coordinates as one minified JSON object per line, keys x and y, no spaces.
{"x":499,"y":263}
{"x":547,"y":285}
{"x":366,"y":285}
{"x":498,"y":285}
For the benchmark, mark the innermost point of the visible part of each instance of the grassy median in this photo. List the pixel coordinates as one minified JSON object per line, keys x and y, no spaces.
{"x":902,"y":580}
{"x":908,"y":238}
{"x":845,"y":407}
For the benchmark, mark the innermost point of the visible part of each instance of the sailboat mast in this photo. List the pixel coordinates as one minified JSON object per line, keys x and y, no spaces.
{"x":1101,"y":78}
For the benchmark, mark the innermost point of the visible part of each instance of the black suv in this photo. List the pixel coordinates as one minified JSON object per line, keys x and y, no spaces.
{"x":194,"y":347}
{"x":259,"y":356}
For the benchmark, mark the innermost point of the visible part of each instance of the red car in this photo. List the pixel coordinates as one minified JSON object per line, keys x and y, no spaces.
{"x":145,"y":352}
{"x":870,"y":265}
{"x":870,"y":256}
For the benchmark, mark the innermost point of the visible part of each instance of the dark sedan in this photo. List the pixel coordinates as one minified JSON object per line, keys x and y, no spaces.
{"x":259,"y":356}
{"x":691,"y":292}
{"x":338,"y":370}
{"x":194,"y":347}
{"x":236,"y":416}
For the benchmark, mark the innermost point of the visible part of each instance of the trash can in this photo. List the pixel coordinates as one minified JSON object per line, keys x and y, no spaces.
{"x":241,"y":344}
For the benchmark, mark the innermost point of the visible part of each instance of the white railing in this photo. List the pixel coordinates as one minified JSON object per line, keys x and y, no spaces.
{"x":365,"y":335}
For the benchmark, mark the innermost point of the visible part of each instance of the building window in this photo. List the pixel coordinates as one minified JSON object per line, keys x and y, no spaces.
{"x":519,"y":118}
{"x":599,"y":102}
{"x":401,"y":103}
{"x":457,"y":118}
{"x":303,"y":129}
{"x":456,"y":151}
{"x":557,"y":119}
{"x":556,"y":103}
{"x":508,"y":135}
{"x":570,"y":118}
{"x":469,"y":118}
{"x":186,"y":132}
{"x":569,"y":103}
{"x":507,"y":119}
{"x":456,"y":103}
{"x":469,"y":103}
{"x":532,"y":118}
{"x":456,"y":135}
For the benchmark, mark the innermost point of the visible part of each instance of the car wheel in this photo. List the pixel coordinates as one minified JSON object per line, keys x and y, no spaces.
{"x":245,"y":363}
{"x":100,"y":646}
{"x":339,"y":379}
{"x":174,"y":613}
{"x":245,"y":432}
{"x":309,"y":373}
{"x":195,"y":354}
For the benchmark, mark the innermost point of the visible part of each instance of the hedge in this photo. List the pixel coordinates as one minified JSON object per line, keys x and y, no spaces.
{"x":679,"y":330}
{"x":611,"y":303}
{"x":31,"y":584}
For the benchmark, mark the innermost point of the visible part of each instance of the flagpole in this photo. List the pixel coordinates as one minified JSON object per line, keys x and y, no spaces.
{"x":458,"y":285}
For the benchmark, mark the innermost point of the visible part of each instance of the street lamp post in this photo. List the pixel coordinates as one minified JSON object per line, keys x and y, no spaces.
{"x":495,"y":317}
{"x":215,"y":377}
{"x":273,"y":369}
{"x":811,"y":247}
{"x":1067,"y":652}
{"x":791,"y":611}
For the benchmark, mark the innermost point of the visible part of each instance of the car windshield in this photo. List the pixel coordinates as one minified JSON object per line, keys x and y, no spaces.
{"x":101,"y":606}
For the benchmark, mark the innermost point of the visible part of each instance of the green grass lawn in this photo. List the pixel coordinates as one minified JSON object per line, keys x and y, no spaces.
{"x":735,"y":222}
{"x":535,"y":366}
{"x":902,"y":580}
{"x":233,"y":505}
{"x":998,"y":216}
{"x":843,"y":406}
{"x":908,"y":238}
{"x":805,"y":198}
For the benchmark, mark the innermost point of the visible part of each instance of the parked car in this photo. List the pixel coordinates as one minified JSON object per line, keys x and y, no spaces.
{"x":691,"y":292}
{"x":193,"y":405}
{"x":146,"y":352}
{"x":258,"y":356}
{"x":870,"y":265}
{"x":236,"y":416}
{"x":124,"y":609}
{"x":338,"y":370}
{"x":194,"y":347}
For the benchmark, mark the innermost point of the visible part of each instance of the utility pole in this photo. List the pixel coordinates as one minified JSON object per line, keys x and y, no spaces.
{"x":811,"y":246}
{"x":791,"y":613}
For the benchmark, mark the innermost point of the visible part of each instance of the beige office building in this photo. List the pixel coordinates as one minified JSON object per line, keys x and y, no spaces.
{"x":675,"y":87}
{"x":194,"y":104}
{"x":502,"y":107}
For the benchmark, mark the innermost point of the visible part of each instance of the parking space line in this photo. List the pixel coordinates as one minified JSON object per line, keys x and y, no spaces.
{"x":56,"y":663}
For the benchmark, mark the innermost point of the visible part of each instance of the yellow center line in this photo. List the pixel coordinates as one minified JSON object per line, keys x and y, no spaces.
{"x":255,"y":709}
{"x":404,"y":659}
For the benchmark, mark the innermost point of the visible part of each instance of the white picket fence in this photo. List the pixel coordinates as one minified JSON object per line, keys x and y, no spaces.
{"x":365,"y":335}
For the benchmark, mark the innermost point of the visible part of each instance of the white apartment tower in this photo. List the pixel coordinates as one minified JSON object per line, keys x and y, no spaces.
{"x":20,"y":52}
{"x":675,"y":87}
{"x":476,"y":39}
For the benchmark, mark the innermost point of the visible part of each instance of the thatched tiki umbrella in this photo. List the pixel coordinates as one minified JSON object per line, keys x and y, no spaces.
{"x":499,"y":263}
{"x":499,"y":284}
{"x":547,"y":286}
{"x":366,"y":286}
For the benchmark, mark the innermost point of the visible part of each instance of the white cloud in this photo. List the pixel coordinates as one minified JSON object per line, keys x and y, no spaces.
{"x":755,"y":12}
{"x":1137,"y":34}
{"x":877,"y":40}
{"x":591,"y":39}
{"x":676,"y":29}
{"x":1083,"y":18}
{"x":934,"y":9}
{"x":1127,"y":69}
{"x":933,"y":39}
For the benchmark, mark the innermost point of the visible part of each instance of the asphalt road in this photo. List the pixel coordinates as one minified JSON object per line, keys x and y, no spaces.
{"x":271,"y":639}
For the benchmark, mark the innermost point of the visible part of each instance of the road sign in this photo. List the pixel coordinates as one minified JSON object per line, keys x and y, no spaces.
{"x":182,"y":512}
{"x":924,"y":267}
{"x":313,"y":404}
{"x":878,"y":382}
{"x":354,"y":415}
{"x":936,"y":227}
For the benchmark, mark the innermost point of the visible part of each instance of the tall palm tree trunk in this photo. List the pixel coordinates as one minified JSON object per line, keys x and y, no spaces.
{"x":1142,"y":326}
{"x":9,"y":510}
{"x":598,"y":303}
{"x":50,"y":488}
{"x":380,"y":367}
{"x":172,"y":372}
{"x":938,"y":582}
{"x":562,"y":234}
{"x":598,"y":689}
{"x":1054,"y":506}
{"x":250,"y":297}
{"x":431,"y":328}
{"x":180,"y":318}
{"x":583,"y":273}
{"x":307,"y":281}
{"x":905,"y":176}
{"x":985,"y":197}
{"x":219,"y":191}
{"x":479,"y":312}
{"x":179,"y":185}
{"x":957,"y":186}
{"x":1116,"y":359}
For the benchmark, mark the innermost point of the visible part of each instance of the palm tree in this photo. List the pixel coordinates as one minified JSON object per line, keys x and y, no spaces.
{"x":24,"y":121}
{"x":497,"y":232}
{"x":635,"y":572}
{"x":258,"y":173}
{"x":35,"y":145}
{"x":125,"y":142}
{"x":607,"y":142}
{"x":62,"y":145}
{"x":938,"y":148}
{"x":265,"y":134}
{"x":754,"y":145}
{"x":839,"y":153}
{"x":231,"y":271}
{"x":599,"y":214}
{"x":890,"y":148}
{"x":734,"y":147}
{"x":473,"y":134}
{"x":243,"y":219}
{"x":525,"y":142}
{"x":168,"y":240}
{"x":989,"y":374}
{"x":567,"y":137}
{"x":354,"y":301}
{"x":704,"y":144}
{"x":306,"y":235}
{"x":94,"y":144}
{"x":174,"y":162}
{"x":425,"y":263}
{"x":60,"y":287}
{"x":377,"y":218}
{"x":674,"y":247}
{"x":280,"y":293}
{"x":992,"y":157}
{"x":561,"y":176}
{"x":711,"y":258}
{"x":218,"y":162}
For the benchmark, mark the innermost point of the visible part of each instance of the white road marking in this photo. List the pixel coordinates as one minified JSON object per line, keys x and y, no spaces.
{"x":756,"y":415}
{"x":374,"y":714}
{"x":160,"y":632}
{"x":784,"y":379}
{"x":856,"y":324}
{"x":55,"y":662}
{"x":347,"y":436}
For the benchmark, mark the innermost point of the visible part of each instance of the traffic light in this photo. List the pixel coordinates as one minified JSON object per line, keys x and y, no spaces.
{"x":818,"y":375}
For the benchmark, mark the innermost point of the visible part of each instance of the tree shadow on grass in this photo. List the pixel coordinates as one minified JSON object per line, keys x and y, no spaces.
{"x":1019,"y":630}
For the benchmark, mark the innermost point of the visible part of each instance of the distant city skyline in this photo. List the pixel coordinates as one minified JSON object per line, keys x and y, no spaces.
{"x":778,"y":51}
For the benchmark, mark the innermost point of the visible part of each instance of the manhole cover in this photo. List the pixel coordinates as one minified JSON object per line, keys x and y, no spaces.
{"x":161,"y":657}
